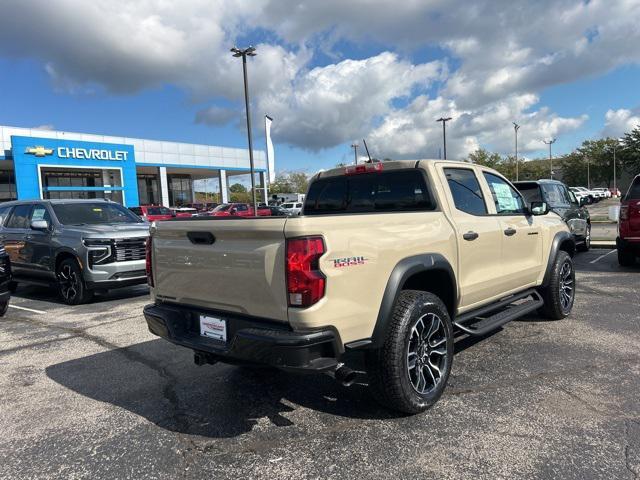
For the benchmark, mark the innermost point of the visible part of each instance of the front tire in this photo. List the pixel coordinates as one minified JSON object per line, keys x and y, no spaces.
{"x":410,"y":371}
{"x":559,"y":294}
{"x":71,"y":286}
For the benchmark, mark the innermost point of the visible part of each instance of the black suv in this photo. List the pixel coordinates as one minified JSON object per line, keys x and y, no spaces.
{"x":562,"y":201}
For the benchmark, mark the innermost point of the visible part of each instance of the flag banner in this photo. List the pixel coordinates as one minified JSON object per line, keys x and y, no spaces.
{"x":270,"y":155}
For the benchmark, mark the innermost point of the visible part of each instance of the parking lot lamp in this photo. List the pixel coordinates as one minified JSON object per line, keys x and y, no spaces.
{"x":354,"y":145}
{"x":516,"y":127}
{"x":444,"y":134}
{"x":244,"y":53}
{"x":550,"y":142}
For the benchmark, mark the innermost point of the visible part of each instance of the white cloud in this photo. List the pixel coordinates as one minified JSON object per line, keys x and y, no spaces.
{"x":504,"y":52}
{"x":618,"y":122}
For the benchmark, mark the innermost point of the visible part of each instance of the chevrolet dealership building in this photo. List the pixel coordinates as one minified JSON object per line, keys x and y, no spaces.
{"x":46,"y":164}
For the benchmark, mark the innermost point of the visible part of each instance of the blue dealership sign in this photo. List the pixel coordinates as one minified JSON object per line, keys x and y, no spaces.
{"x":31,"y":153}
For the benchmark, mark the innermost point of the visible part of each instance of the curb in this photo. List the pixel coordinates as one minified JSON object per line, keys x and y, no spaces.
{"x":603,"y":244}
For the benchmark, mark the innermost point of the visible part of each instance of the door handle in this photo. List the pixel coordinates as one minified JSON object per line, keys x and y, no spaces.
{"x":470,"y":236}
{"x":510,"y":231}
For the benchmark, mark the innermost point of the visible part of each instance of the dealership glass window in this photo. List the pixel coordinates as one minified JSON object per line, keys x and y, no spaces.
{"x":179,"y":190}
{"x":115,"y":195}
{"x":148,"y":191}
{"x":85,"y":177}
{"x":7,"y":186}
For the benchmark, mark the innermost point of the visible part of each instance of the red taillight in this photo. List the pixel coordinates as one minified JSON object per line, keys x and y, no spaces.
{"x":624,"y":212}
{"x":305,"y":281}
{"x":147,"y":265}
{"x":363,"y":168}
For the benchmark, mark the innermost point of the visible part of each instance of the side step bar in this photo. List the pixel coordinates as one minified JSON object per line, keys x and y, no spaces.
{"x":477,"y":322}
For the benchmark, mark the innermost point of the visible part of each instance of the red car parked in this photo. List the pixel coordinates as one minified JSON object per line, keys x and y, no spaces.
{"x":152,"y":213}
{"x":239,"y":210}
{"x":628,"y":241}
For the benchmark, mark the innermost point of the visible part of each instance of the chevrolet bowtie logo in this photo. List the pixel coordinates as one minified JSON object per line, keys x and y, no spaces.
{"x":39,"y":151}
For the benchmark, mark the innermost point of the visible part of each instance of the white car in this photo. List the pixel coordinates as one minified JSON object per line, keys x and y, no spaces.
{"x":606,"y":193}
{"x":581,"y":193}
{"x":295,"y":208}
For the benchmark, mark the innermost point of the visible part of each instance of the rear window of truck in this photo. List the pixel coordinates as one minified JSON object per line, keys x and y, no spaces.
{"x":394,"y":191}
{"x":634,"y":190}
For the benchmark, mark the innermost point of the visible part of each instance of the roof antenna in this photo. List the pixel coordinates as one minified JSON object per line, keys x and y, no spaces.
{"x":367,"y":149}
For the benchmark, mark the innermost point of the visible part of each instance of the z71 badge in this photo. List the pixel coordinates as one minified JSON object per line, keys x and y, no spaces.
{"x":348,"y":262}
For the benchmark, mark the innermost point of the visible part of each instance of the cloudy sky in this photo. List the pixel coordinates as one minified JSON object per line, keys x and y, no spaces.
{"x":329,"y":72}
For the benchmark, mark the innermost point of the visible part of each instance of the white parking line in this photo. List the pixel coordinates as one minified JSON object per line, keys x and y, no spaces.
{"x":27,"y":309}
{"x":602,"y":256}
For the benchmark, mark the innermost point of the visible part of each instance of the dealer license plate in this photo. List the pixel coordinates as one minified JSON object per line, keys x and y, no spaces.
{"x":213,"y":327}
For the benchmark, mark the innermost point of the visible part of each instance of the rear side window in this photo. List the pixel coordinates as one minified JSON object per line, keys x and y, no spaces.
{"x":4,"y":213}
{"x":395,"y":191}
{"x":20,"y":217}
{"x":136,"y":210}
{"x":466,"y":192}
{"x":158,"y":211}
{"x":530,"y":192}
{"x":634,"y":190}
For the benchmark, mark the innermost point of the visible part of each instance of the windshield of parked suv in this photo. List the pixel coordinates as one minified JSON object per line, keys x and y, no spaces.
{"x":92,"y":213}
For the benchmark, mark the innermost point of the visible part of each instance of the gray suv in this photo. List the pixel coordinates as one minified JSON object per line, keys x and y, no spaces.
{"x":76,"y":246}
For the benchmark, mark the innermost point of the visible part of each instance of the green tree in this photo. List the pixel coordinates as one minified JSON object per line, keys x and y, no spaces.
{"x":485,"y":158}
{"x":629,"y":155}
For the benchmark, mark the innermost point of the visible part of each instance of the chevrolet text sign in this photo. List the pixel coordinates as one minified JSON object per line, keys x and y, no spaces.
{"x":92,"y":153}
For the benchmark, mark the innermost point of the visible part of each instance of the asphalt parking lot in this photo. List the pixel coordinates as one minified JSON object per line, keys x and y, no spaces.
{"x":88,"y":392}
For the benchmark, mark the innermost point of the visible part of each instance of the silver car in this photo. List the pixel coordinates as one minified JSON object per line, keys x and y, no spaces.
{"x":75,"y":246}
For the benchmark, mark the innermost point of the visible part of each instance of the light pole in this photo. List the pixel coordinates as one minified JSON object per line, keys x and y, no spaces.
{"x":615,"y":185}
{"x":244,"y":53}
{"x":354,"y":145}
{"x":516,"y":127}
{"x":444,"y":133}
{"x":550,"y":142}
{"x":588,"y":174}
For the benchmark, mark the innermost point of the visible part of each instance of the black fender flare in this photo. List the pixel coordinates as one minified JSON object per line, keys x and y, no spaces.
{"x":406,"y":268}
{"x":68,"y":251}
{"x":559,"y":239}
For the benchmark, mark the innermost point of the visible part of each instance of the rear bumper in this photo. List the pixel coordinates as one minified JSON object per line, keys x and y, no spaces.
{"x":248,"y":340}
{"x":631,"y":243}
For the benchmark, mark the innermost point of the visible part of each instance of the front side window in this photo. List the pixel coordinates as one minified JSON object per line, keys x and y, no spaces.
{"x":90,"y":213}
{"x":465,"y":190}
{"x":506,"y":198}
{"x":20,"y":217}
{"x":40,"y":212}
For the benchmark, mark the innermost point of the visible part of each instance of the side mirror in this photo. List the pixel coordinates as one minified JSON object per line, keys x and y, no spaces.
{"x":233,"y":211}
{"x":173,"y":214}
{"x":539,"y":208}
{"x":40,"y":225}
{"x":582,"y":201}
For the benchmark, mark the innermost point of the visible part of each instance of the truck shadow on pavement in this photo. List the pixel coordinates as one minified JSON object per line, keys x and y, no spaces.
{"x":49,"y":294}
{"x":159,"y":382}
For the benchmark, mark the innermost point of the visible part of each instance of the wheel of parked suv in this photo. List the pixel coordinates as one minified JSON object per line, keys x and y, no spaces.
{"x":626,"y":257}
{"x":410,"y":370}
{"x":71,"y":286}
{"x":4,"y":306}
{"x":586,"y":245}
{"x":559,"y":295}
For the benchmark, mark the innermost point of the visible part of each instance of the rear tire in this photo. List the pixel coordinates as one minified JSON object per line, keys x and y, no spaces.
{"x":4,"y":306}
{"x":13,"y":286}
{"x":71,"y":286}
{"x":626,"y":257}
{"x":410,"y":370}
{"x":586,"y":244}
{"x":559,"y":294}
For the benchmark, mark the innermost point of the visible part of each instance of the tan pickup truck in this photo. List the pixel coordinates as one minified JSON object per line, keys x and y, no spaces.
{"x":387,"y":261}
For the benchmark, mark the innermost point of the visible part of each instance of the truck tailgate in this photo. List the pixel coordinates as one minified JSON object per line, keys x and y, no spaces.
{"x":242,"y":270}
